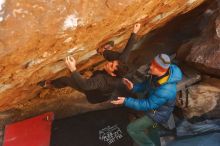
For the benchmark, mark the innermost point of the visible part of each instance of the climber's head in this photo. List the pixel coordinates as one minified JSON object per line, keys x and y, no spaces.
{"x":116,"y":68}
{"x":160,"y":65}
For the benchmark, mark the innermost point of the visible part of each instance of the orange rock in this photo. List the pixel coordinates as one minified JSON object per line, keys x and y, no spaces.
{"x":35,"y":36}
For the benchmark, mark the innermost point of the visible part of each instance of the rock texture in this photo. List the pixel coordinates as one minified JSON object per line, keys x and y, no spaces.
{"x":203,"y":52}
{"x":35,"y":36}
{"x":202,"y":98}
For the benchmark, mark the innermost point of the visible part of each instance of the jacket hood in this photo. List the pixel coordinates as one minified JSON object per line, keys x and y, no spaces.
{"x":175,"y":74}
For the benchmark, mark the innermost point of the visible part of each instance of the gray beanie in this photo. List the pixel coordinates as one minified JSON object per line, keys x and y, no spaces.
{"x":163,"y":60}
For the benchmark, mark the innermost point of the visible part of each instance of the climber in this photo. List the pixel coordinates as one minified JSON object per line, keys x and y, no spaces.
{"x":160,"y":92}
{"x":102,"y":84}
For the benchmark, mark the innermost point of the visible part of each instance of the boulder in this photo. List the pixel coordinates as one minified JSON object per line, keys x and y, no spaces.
{"x":203,"y":52}
{"x":35,"y":37}
{"x":203,"y":98}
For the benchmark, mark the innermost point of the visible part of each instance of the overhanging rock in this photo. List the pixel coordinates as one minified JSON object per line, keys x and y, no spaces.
{"x":36,"y":35}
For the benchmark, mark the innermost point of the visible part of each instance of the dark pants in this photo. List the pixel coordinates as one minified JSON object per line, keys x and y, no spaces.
{"x":143,"y":132}
{"x":66,"y":82}
{"x":93,"y":96}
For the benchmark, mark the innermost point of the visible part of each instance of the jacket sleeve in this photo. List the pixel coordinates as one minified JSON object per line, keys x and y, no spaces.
{"x":131,"y":41}
{"x":126,"y":51}
{"x":150,"y":103}
{"x":92,"y":83}
{"x":120,"y":90}
{"x":140,"y":87}
{"x":113,"y":55}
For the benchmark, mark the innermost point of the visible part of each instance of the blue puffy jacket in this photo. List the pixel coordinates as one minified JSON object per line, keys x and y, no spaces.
{"x":161,"y":100}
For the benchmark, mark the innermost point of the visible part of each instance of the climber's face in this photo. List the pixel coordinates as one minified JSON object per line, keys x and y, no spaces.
{"x":111,"y":66}
{"x":107,"y":47}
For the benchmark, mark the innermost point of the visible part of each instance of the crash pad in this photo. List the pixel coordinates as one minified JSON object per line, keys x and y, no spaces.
{"x":98,"y":128}
{"x":35,"y":131}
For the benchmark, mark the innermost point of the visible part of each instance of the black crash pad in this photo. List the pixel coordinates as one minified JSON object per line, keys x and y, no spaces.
{"x":98,"y":128}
